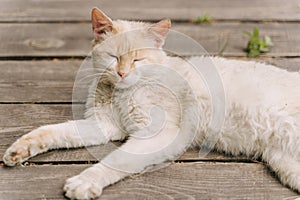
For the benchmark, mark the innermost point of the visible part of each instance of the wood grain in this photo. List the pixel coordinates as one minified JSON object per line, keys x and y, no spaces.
{"x":63,"y":10}
{"x":71,"y":39}
{"x":32,"y":115}
{"x":178,"y":181}
{"x":37,"y":81}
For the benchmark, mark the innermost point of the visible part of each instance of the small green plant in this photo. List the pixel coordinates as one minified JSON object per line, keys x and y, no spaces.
{"x":205,"y":18}
{"x":255,"y":45}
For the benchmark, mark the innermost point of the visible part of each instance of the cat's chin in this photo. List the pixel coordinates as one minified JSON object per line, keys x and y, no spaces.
{"x":128,"y":81}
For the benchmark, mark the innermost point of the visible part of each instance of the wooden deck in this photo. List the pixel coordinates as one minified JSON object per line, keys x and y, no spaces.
{"x":36,"y":89}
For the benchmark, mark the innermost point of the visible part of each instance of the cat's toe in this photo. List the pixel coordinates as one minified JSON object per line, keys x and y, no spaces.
{"x":15,"y":155}
{"x":79,"y":188}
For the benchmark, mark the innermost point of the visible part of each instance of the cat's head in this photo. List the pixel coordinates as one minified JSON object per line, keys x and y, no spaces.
{"x":122,"y":46}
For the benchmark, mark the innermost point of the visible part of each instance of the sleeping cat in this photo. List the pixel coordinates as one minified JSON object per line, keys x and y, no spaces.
{"x":162,"y":106}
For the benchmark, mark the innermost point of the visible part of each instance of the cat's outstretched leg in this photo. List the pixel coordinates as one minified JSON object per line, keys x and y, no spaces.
{"x":143,"y":149}
{"x":64,"y":135}
{"x":138,"y":153}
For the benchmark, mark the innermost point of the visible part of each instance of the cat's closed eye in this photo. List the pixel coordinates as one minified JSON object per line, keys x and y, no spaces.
{"x":139,"y":59}
{"x":114,"y":56}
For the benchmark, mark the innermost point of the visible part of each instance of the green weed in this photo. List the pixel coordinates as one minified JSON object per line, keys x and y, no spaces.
{"x":255,"y":45}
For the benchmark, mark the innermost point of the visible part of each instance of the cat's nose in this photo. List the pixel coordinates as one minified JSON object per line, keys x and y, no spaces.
{"x":122,"y":74}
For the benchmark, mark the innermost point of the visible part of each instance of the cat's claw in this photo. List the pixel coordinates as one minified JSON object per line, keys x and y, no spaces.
{"x":78,"y":187}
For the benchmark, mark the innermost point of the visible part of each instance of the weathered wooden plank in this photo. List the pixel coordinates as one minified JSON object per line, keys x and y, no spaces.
{"x":32,"y":115}
{"x":52,"y":81}
{"x":178,"y":181}
{"x":75,"y":39}
{"x":227,"y":38}
{"x":37,"y":81}
{"x":63,"y":10}
{"x":45,"y":39}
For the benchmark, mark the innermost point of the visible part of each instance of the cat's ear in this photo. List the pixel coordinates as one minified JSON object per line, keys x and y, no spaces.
{"x":100,"y":23}
{"x":160,"y":31}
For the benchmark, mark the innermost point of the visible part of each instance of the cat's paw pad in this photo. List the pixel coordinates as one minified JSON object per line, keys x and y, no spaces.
{"x":17,"y":153}
{"x":78,"y":187}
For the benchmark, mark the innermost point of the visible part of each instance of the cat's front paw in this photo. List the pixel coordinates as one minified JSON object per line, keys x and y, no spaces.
{"x":79,"y":187}
{"x":23,"y":149}
{"x":17,"y":153}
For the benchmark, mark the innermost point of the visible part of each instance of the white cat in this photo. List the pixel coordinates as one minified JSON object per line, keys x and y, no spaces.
{"x":162,"y":105}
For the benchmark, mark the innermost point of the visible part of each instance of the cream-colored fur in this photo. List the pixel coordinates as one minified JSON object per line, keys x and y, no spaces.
{"x":164,"y":107}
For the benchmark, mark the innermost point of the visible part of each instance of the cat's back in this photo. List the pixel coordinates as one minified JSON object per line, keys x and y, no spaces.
{"x":257,"y":84}
{"x":246,"y":83}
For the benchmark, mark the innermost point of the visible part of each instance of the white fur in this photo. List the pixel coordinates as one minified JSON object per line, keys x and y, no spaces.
{"x":165,"y":107}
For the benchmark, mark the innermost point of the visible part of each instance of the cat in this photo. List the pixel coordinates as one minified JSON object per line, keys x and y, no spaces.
{"x":161,"y":107}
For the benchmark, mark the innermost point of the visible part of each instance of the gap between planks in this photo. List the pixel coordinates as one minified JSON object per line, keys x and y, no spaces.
{"x":177,"y":21}
{"x":180,"y":161}
{"x":78,"y":58}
